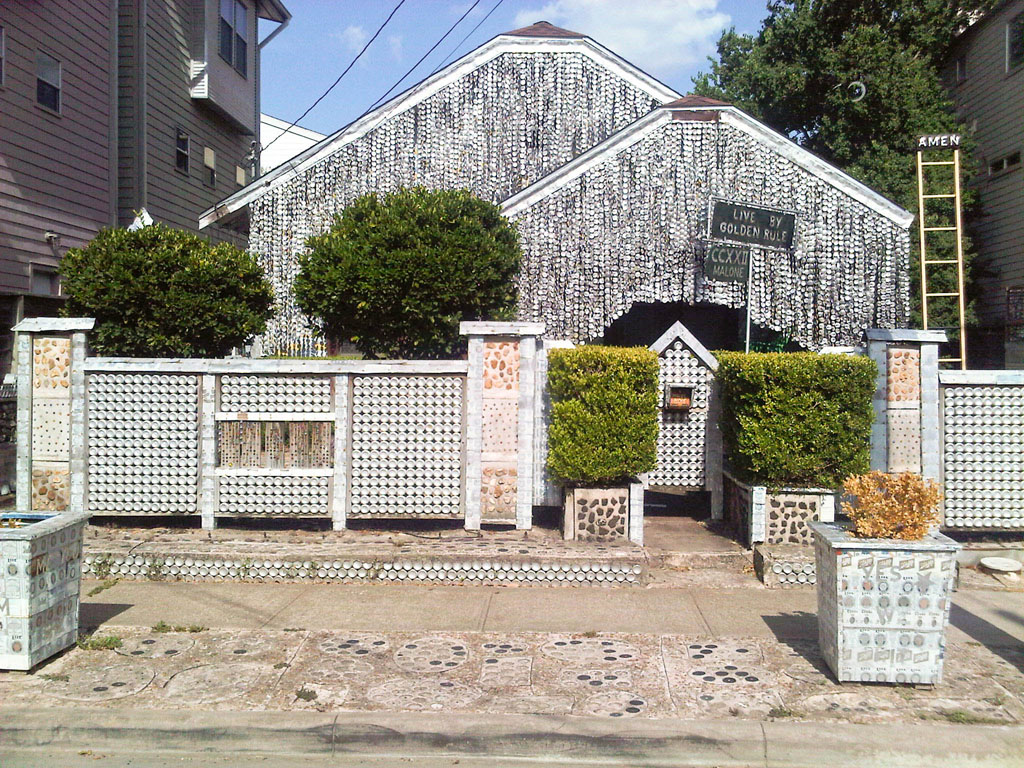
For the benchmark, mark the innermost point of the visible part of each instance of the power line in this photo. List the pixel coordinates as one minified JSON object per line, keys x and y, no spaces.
{"x":351,"y":64}
{"x":463,"y":40}
{"x":424,"y":56}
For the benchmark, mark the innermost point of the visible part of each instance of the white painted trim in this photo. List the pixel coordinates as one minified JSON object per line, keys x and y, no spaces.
{"x":731,"y":116}
{"x":681,"y":332}
{"x":273,"y":472}
{"x":485,"y":53}
{"x":245,"y":366}
{"x":601,"y":153}
{"x":251,"y":416}
{"x":54,"y":324}
{"x":813,"y":164}
{"x":1008,"y":378}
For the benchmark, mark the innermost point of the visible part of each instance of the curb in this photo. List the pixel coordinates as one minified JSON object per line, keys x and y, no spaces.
{"x":722,"y":743}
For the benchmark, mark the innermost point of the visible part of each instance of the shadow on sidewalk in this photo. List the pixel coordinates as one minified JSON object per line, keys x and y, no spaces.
{"x":92,"y":615}
{"x":1001,"y":643}
{"x":798,"y":632}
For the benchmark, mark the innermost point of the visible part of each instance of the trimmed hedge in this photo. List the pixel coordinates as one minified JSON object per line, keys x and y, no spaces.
{"x":796,"y":419}
{"x":604,"y":414}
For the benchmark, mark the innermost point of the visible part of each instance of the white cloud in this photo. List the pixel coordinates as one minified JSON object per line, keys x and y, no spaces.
{"x":395,"y":46}
{"x":353,"y":37}
{"x":659,"y":36}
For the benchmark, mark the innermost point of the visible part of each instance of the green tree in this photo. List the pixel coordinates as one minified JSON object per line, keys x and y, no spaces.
{"x":162,"y":292}
{"x":395,"y":274}
{"x":798,"y":74}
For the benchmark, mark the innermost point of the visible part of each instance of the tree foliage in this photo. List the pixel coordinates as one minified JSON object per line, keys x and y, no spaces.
{"x":162,"y":292}
{"x":795,"y":74}
{"x":395,"y":274}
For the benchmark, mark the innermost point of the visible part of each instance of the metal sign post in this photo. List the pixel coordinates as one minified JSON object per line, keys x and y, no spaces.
{"x":750,"y":263}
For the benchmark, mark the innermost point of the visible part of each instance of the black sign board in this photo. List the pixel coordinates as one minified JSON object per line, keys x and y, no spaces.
{"x":757,"y":226}
{"x":726,"y":263}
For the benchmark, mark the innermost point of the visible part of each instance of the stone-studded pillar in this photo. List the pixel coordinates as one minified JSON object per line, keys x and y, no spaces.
{"x":49,"y":357}
{"x":501,"y":405}
{"x":905,"y":435}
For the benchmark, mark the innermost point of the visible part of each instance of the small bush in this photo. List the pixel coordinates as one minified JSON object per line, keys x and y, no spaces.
{"x":395,"y":274}
{"x":98,"y":643}
{"x":897,"y":506}
{"x":798,"y":419}
{"x":604,"y":414}
{"x":162,"y":292}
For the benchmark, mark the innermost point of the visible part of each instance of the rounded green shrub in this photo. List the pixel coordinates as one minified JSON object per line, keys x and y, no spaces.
{"x":395,"y":274}
{"x":604,"y":414}
{"x":162,"y":292}
{"x":796,"y":419}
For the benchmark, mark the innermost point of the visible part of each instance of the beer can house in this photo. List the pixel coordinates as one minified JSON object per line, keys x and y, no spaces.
{"x":628,"y":197}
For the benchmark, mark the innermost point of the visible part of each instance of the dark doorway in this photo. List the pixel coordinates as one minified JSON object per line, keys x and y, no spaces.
{"x":715,"y":327}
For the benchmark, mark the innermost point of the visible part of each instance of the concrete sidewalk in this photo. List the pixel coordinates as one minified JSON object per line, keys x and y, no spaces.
{"x":989,"y":617}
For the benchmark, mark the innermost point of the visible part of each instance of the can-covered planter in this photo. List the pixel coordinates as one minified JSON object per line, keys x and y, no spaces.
{"x":883,"y":605}
{"x":40,"y":578}
{"x":604,"y":514}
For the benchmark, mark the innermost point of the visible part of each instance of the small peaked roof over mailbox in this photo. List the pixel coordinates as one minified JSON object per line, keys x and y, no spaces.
{"x":679,"y":332}
{"x":628,"y":222}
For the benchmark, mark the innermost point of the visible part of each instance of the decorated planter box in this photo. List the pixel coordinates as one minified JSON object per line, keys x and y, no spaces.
{"x":604,"y":514}
{"x":765,"y":515}
{"x":883,"y":605}
{"x":40,"y":576}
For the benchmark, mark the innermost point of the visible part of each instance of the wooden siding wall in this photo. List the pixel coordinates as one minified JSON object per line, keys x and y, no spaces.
{"x":170,"y":196}
{"x":55,"y":170}
{"x":991,"y":102}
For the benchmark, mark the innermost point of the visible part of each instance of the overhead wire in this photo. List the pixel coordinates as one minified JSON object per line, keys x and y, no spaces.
{"x":463,"y":40}
{"x":335,"y":83}
{"x":422,"y":58}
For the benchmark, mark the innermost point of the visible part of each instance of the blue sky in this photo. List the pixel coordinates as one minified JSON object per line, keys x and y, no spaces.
{"x":668,"y":38}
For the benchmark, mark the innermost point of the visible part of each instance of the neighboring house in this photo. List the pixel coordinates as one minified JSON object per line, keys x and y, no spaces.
{"x":116,"y":106}
{"x":985,"y":75}
{"x":281,"y":144}
{"x":610,"y":177}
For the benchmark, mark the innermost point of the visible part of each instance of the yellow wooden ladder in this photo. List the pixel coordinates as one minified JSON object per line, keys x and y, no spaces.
{"x":930,"y":143}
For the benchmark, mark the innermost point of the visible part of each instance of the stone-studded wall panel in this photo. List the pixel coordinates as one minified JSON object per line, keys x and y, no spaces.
{"x":983,"y":456}
{"x":500,"y":435}
{"x":143,"y":443}
{"x":848,"y":269}
{"x":494,"y":131}
{"x":598,"y":514}
{"x":407,"y":435}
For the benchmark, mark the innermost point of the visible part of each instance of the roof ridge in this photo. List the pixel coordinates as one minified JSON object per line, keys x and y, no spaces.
{"x":543,"y":29}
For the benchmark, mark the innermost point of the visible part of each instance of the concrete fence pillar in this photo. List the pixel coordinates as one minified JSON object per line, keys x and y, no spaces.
{"x":905,"y":436}
{"x":501,"y":420}
{"x":51,"y":442}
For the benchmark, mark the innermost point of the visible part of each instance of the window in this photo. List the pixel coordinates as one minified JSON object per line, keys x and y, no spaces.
{"x":1004,"y":163}
{"x":234,"y":35}
{"x":48,"y":81}
{"x":239,"y":175}
{"x":961,"y":68}
{"x":1015,"y":42}
{"x":3,"y":53}
{"x":181,"y":148}
{"x":209,"y":167}
{"x":45,"y":280}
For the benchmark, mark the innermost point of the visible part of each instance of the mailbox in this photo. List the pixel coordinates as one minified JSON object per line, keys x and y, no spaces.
{"x":678,"y":397}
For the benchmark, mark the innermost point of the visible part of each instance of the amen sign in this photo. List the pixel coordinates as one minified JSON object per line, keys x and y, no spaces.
{"x":939,"y":141}
{"x":757,"y":226}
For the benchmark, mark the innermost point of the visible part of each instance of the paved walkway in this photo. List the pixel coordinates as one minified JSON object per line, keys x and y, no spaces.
{"x":377,"y":657}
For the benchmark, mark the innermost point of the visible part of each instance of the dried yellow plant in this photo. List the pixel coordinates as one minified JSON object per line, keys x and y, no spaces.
{"x":892,"y":506}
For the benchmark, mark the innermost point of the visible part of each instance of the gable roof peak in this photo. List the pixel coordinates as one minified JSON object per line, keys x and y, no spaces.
{"x":692,"y":100}
{"x":543,"y":29}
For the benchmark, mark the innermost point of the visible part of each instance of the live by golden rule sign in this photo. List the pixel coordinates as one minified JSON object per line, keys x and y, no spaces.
{"x":757,"y":226}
